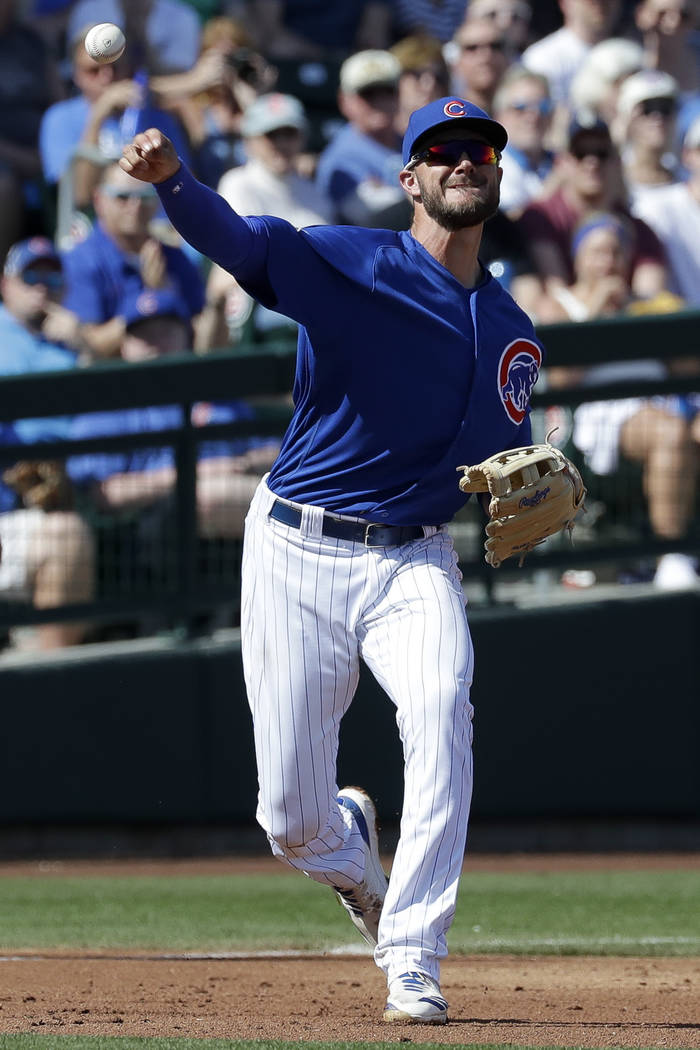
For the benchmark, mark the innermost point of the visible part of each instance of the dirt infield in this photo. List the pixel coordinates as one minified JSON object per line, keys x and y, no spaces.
{"x":535,"y":1001}
{"x":590,"y":1002}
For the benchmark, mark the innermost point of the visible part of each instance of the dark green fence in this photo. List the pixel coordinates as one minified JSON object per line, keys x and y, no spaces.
{"x":265,"y":373}
{"x":158,"y":734}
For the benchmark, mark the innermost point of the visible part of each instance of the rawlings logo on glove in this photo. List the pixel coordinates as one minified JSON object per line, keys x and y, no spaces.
{"x":535,"y":492}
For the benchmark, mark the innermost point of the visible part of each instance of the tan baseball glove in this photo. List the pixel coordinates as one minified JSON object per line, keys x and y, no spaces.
{"x":535,"y":492}
{"x":40,"y":483}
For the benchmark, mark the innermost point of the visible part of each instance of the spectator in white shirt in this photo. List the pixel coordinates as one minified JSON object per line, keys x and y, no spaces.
{"x":274,"y":130}
{"x":674,"y":215}
{"x":559,"y":55}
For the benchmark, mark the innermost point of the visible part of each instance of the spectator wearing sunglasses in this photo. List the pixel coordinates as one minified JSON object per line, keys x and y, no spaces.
{"x":35,"y":334}
{"x":359,"y":169}
{"x":670,"y":35}
{"x":42,"y":547}
{"x":524,"y":107}
{"x":590,"y":177}
{"x":646,"y":108}
{"x":122,"y":255}
{"x":480,"y":55}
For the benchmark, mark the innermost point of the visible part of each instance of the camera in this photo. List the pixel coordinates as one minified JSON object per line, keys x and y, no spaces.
{"x":245,"y":64}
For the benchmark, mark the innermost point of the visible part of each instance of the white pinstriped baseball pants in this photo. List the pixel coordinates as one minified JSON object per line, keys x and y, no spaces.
{"x":311,"y":607}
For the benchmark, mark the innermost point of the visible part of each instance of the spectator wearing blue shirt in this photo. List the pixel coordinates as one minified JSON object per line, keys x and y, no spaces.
{"x":37,"y":334}
{"x":359,"y":169}
{"x":46,"y":548}
{"x":140,"y":480}
{"x":121,"y":257}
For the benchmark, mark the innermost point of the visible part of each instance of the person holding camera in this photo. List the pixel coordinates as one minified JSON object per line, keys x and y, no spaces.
{"x":227,"y":78}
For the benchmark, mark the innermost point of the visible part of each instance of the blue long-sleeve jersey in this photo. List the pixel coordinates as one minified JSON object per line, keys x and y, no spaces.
{"x":402,"y":373}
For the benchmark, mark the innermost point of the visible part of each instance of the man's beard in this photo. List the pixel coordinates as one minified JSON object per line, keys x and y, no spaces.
{"x":462,"y":214}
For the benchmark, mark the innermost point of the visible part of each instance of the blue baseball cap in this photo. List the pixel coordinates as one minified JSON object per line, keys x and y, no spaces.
{"x":152,"y":302}
{"x":444,"y":111}
{"x":25,"y":253}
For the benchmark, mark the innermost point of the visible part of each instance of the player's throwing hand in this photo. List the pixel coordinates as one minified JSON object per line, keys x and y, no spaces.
{"x":150,"y":157}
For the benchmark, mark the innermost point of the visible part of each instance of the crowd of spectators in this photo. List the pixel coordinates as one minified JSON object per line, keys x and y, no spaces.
{"x":297,"y":110}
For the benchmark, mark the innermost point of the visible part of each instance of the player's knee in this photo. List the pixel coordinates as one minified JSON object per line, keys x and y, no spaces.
{"x":292,"y":831}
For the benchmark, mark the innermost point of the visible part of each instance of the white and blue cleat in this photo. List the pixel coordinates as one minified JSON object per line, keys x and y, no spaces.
{"x":364,"y":903}
{"x":415,"y":998}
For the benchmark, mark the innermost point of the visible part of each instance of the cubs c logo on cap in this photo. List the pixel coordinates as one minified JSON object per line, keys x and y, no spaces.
{"x":518,"y":370}
{"x":455,"y":108}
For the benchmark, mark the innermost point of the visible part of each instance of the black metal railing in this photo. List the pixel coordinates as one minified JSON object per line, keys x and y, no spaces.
{"x":265,"y":374}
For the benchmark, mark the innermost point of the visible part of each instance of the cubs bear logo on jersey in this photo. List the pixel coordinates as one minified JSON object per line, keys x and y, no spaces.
{"x":518,"y":370}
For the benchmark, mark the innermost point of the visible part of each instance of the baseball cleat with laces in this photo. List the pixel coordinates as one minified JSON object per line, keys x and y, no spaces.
{"x":415,"y":998}
{"x":364,"y":903}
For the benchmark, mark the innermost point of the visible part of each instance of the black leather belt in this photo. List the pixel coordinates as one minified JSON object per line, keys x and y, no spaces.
{"x":369,"y":534}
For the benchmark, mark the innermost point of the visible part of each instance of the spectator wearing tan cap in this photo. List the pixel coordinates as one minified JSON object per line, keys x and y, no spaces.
{"x":424,"y":74}
{"x":359,"y":168}
{"x":673,"y":213}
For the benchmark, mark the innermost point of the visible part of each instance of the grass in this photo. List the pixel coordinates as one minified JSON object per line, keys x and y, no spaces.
{"x":603,"y":912}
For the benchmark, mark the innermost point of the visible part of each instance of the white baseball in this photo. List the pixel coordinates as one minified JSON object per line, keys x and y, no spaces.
{"x":105,"y":42}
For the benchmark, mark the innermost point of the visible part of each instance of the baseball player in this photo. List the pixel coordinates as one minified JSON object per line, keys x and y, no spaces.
{"x":412,"y":359}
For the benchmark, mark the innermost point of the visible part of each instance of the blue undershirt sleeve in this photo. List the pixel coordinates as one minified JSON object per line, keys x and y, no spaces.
{"x":210,"y":225}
